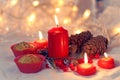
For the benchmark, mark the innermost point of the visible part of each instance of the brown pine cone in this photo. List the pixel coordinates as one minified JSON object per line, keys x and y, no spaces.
{"x":79,"y":40}
{"x":95,"y":45}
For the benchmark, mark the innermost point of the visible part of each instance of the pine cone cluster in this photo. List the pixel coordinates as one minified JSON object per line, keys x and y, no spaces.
{"x":76,"y":41}
{"x":95,"y":45}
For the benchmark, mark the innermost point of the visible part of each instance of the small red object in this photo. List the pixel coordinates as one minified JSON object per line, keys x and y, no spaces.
{"x":65,"y":69}
{"x":72,"y":67}
{"x":58,"y":42}
{"x":41,"y":44}
{"x":30,"y":67}
{"x":47,"y":66}
{"x":97,"y":55}
{"x":106,"y":63}
{"x":92,"y":56}
{"x":86,"y":69}
{"x":58,"y":62}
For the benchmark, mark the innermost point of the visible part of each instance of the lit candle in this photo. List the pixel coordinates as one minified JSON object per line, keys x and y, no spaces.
{"x":41,"y":43}
{"x":57,"y":41}
{"x":86,"y":68}
{"x":106,"y":62}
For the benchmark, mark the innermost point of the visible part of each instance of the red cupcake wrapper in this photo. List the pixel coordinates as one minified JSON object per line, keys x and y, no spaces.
{"x":22,"y":52}
{"x":30,"y":67}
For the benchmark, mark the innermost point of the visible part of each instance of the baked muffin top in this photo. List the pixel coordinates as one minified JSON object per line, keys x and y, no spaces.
{"x":23,"y":45}
{"x":29,"y":58}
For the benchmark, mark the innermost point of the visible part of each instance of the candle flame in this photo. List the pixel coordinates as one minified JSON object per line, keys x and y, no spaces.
{"x":105,"y":54}
{"x":85,"y":58}
{"x":40,"y":35}
{"x":56,"y":20}
{"x":86,"y":14}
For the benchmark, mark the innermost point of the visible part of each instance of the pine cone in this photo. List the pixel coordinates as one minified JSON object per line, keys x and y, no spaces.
{"x":79,"y":40}
{"x":95,"y":45}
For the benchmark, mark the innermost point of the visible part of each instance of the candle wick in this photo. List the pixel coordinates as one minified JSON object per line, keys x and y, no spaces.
{"x":57,"y":25}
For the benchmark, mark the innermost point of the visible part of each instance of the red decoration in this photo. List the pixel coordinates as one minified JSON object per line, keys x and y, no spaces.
{"x":86,"y":69}
{"x":97,"y":55}
{"x":106,"y":62}
{"x":41,"y":44}
{"x":30,"y":67}
{"x":58,"y":42}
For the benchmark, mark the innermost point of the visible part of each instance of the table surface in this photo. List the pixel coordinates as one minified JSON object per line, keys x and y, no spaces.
{"x":9,"y":70}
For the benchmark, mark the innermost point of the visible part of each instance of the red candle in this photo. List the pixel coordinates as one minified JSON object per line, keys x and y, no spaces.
{"x":86,"y":68}
{"x":57,"y":42}
{"x":41,"y":43}
{"x":106,"y":62}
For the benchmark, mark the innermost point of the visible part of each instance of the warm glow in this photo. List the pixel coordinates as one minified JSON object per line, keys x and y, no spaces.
{"x":78,"y":31}
{"x":13,"y":2}
{"x":57,"y":10}
{"x":56,"y":20}
{"x":86,"y":66}
{"x":85,"y":58}
{"x":1,"y":18}
{"x":117,"y":30}
{"x":31,"y":18}
{"x":74,"y":8}
{"x":35,"y":3}
{"x":40,"y":35}
{"x":105,"y":54}
{"x":7,"y":28}
{"x":60,"y":2}
{"x":86,"y":14}
{"x":67,"y":21}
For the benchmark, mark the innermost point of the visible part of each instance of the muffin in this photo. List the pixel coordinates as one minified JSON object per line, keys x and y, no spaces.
{"x":29,"y":58}
{"x":23,"y":48}
{"x":30,"y":63}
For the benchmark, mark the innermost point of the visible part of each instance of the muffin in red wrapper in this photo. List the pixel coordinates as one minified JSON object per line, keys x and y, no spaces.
{"x":30,"y":63}
{"x":23,"y":48}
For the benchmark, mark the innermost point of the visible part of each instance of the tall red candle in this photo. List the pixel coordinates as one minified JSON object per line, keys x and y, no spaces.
{"x":58,"y":42}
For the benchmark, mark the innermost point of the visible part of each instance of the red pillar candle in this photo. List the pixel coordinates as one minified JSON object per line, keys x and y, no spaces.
{"x":106,"y":62}
{"x":57,"y":42}
{"x":41,"y":43}
{"x":86,"y":68}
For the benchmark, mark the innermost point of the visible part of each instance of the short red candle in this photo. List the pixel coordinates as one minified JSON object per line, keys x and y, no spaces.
{"x":58,"y":42}
{"x":41,"y":43}
{"x":86,"y":68}
{"x":106,"y":62}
